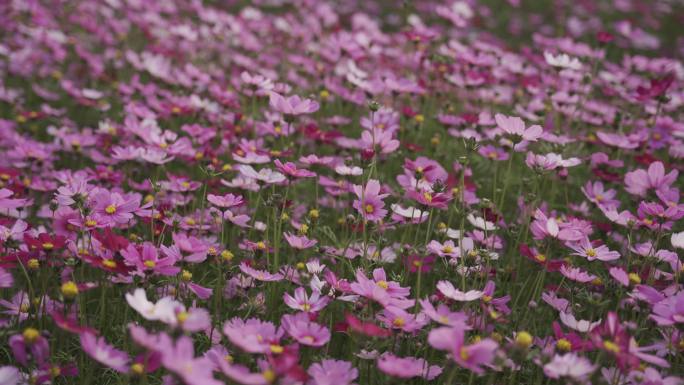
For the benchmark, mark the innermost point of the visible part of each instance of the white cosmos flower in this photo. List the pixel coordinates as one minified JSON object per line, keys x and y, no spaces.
{"x":677,"y":240}
{"x":481,"y":223}
{"x":164,"y":310}
{"x":583,"y":326}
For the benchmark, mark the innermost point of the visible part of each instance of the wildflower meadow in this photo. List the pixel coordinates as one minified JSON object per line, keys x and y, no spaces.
{"x":336,"y":192}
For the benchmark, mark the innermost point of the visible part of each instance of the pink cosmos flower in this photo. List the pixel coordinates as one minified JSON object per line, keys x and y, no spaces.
{"x":369,"y":203}
{"x":303,"y":330}
{"x":576,"y":274}
{"x":381,"y":290}
{"x":669,"y":311}
{"x":639,"y":182}
{"x":112,"y":207}
{"x":582,"y":326}
{"x":179,"y":358}
{"x":292,"y":105}
{"x":544,"y":226}
{"x":447,"y":249}
{"x":396,"y":318}
{"x":472,"y":357}
{"x":302,"y":302}
{"x":290,"y":169}
{"x":382,"y":141}
{"x":25,"y":346}
{"x":570,"y":366}
{"x":146,"y":260}
{"x":550,"y":161}
{"x":9,"y":203}
{"x":596,"y":194}
{"x":225,"y":201}
{"x":299,"y":242}
{"x":260,"y":275}
{"x":332,"y":372}
{"x":407,"y":367}
{"x":514,"y":126}
{"x":443,"y":315}
{"x":449,"y":291}
{"x":585,"y":249}
{"x":99,"y":350}
{"x":253,"y":335}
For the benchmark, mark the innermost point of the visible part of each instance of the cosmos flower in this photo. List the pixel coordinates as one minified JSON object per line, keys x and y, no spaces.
{"x":302,"y":302}
{"x":472,"y":357}
{"x":304,"y":331}
{"x":515,"y":127}
{"x":99,"y":350}
{"x":332,"y":372}
{"x":449,"y":291}
{"x":570,"y":366}
{"x":407,"y":367}
{"x":369,"y":201}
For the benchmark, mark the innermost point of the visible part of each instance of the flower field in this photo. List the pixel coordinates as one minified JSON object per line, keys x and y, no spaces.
{"x":341,"y":192}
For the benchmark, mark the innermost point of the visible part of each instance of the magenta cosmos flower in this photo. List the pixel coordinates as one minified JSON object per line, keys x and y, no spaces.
{"x":669,"y":311}
{"x":146,"y":260}
{"x":472,"y":357}
{"x":369,"y":203}
{"x":260,"y":275}
{"x":292,"y":105}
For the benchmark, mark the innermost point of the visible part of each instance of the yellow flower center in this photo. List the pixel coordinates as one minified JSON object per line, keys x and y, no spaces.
{"x":109,"y":263}
{"x":464,"y":354}
{"x":190,"y":221}
{"x":277,"y":349}
{"x":443,"y":319}
{"x":226,"y":255}
{"x":447,"y":249}
{"x":69,"y":289}
{"x":91,"y":223}
{"x":55,"y":371}
{"x":611,"y":346}
{"x":185,"y":184}
{"x":186,"y":276}
{"x":563,"y":345}
{"x":137,"y":369}
{"x":523,"y":339}
{"x":383,"y":284}
{"x":599,"y":197}
{"x":269,"y":375}
{"x":150,"y":264}
{"x":369,"y":208}
{"x":428,"y":197}
{"x":486,"y":298}
{"x":24,"y":308}
{"x":591,"y":252}
{"x":261,"y":245}
{"x":399,"y":322}
{"x":48,"y":246}
{"x":634,"y":278}
{"x":306,"y":307}
{"x":182,"y":316}
{"x":111,"y":209}
{"x":540,"y":257}
{"x":33,"y":263}
{"x":30,"y":335}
